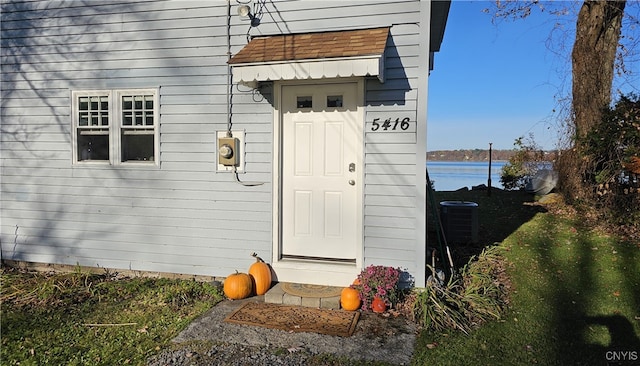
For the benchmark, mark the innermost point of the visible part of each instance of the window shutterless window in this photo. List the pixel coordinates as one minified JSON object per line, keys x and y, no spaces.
{"x":138,"y":126}
{"x":92,"y":129}
{"x":115,"y":126}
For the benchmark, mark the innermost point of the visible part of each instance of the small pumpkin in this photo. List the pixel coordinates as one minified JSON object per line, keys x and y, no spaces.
{"x":260,"y":275}
{"x":378,"y":305}
{"x":350,"y":299}
{"x":237,"y":286}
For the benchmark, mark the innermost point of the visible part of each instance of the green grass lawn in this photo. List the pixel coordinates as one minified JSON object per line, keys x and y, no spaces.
{"x":84,"y":319}
{"x":575,"y":296}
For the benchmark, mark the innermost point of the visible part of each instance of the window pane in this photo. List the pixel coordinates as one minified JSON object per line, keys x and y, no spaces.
{"x":138,"y":102}
{"x":84,"y":104}
{"x":93,"y":147}
{"x":127,"y":119}
{"x":148,"y":118}
{"x":84,"y":119}
{"x":138,"y":118}
{"x":94,"y":119}
{"x":304,"y":102}
{"x":94,"y":103}
{"x":334,"y":101}
{"x":138,"y":146}
{"x":104,"y":119}
{"x":127,"y":103}
{"x":148,"y":101}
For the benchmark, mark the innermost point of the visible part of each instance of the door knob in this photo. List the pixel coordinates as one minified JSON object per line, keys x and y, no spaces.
{"x":352,"y":182}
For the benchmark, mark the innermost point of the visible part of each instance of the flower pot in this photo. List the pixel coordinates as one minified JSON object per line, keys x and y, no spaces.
{"x":378,"y":305}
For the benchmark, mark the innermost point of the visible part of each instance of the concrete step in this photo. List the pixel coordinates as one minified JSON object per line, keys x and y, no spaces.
{"x":277,"y":295}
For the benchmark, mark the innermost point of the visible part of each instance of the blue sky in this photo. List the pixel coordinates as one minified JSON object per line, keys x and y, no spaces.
{"x":493,"y":83}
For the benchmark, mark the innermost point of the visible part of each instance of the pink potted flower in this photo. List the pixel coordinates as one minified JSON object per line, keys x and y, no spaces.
{"x":379,"y":282}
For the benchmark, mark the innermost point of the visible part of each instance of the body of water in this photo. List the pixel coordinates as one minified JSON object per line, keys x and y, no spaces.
{"x":453,"y":175}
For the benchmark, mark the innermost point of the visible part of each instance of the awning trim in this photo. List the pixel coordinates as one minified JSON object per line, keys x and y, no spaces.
{"x":251,"y":73}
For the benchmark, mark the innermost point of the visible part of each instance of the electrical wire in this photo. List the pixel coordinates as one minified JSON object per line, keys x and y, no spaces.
{"x":229,"y":88}
{"x":246,"y":184}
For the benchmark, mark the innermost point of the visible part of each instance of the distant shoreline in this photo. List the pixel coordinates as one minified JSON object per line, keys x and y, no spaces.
{"x":466,"y":161}
{"x":471,"y":155}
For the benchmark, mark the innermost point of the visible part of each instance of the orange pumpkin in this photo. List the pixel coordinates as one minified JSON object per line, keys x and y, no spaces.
{"x":260,"y":275}
{"x":237,"y":286}
{"x":350,"y":299}
{"x":378,"y":305}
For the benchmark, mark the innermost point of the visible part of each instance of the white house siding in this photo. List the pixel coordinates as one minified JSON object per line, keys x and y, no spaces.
{"x":394,"y":189}
{"x":182,"y":216}
{"x":179,"y":217}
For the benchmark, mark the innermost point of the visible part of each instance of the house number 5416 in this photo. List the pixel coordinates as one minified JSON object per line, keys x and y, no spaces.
{"x":390,"y":125}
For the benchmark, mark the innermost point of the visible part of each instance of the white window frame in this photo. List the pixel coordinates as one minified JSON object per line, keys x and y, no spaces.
{"x":116,"y":127}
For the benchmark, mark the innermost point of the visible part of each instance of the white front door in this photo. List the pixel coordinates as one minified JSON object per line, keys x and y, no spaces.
{"x":321,"y":164}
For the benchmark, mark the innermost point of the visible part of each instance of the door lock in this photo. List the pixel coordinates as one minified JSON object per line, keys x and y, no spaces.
{"x":352,"y":167}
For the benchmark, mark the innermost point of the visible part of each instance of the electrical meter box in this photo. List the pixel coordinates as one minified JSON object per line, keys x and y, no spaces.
{"x":228,"y":151}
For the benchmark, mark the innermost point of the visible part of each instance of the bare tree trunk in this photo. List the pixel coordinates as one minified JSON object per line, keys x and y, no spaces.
{"x":593,"y":59}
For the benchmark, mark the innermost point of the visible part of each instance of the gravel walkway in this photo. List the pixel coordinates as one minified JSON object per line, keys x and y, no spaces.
{"x":376,"y":338}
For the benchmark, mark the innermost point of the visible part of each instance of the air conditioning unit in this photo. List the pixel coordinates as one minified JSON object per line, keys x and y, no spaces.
{"x":460,"y":221}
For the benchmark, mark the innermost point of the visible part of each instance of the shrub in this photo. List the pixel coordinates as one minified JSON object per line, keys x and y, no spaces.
{"x":611,"y":150}
{"x":525,"y":162}
{"x":474,"y":296}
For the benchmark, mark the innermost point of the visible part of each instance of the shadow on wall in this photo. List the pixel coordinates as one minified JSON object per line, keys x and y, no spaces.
{"x":396,"y":89}
{"x":40,"y":43}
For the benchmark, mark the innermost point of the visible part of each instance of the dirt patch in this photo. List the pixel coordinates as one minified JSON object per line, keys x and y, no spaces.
{"x":387,"y":338}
